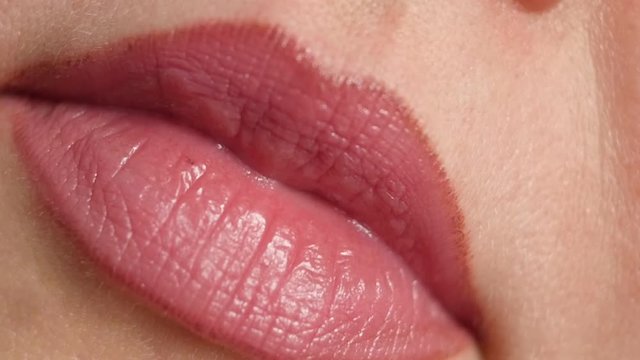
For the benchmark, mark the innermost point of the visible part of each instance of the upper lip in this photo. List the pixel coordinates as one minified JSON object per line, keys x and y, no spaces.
{"x":383,"y":174}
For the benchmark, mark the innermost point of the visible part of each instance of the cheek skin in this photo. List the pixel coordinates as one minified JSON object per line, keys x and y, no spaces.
{"x":622,"y":98}
{"x":620,"y":75}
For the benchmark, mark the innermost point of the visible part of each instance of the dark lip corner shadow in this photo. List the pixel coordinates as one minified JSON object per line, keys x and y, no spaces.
{"x":538,"y":6}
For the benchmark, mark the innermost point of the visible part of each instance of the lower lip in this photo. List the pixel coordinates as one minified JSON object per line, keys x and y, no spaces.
{"x":235,"y":256}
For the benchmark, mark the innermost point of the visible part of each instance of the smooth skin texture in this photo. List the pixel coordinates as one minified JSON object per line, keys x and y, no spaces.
{"x":532,"y":105}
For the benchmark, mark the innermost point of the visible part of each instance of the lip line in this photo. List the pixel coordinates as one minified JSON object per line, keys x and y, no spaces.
{"x":18,"y":87}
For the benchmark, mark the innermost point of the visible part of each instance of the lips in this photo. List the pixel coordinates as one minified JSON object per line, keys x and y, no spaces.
{"x":218,"y":172}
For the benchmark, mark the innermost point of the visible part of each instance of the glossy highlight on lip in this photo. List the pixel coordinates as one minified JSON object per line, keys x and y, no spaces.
{"x":221,"y":174}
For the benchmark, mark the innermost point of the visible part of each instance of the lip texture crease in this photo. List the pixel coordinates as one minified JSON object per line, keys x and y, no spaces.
{"x":224,"y":177}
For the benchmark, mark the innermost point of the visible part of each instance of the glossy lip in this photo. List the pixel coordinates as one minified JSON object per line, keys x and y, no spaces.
{"x":348,"y":141}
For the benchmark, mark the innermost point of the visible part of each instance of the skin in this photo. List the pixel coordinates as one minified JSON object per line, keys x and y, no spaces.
{"x":532,"y":105}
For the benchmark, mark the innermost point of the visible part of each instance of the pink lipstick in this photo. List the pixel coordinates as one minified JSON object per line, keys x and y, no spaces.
{"x":218,"y":172}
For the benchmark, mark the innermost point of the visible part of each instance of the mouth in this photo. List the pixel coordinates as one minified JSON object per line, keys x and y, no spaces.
{"x":223,"y":176}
